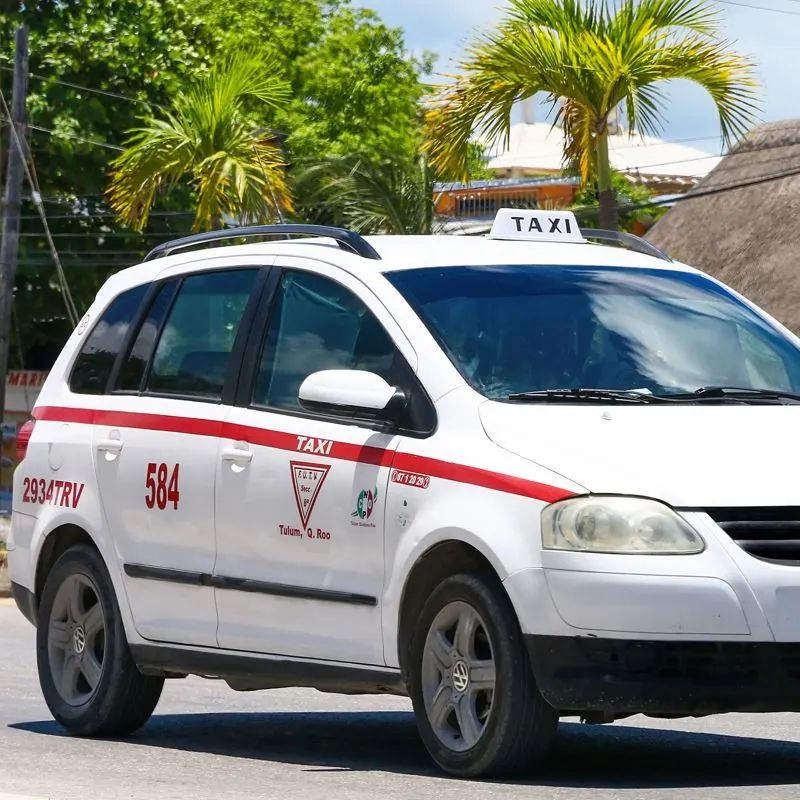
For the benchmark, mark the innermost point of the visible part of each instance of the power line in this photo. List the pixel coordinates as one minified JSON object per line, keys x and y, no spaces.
{"x":694,"y":195}
{"x":103,"y":215}
{"x":66,"y":135}
{"x":760,"y":8}
{"x":104,"y":92}
{"x":779,"y":157}
{"x":31,"y":175}
{"x":98,"y":235}
{"x":663,"y":142}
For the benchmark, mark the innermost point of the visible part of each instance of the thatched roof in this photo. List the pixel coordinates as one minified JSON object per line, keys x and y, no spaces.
{"x":747,"y":235}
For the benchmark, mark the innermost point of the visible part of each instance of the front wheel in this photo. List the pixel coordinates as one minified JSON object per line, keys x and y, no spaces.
{"x":89,"y":680}
{"x":477,"y":706}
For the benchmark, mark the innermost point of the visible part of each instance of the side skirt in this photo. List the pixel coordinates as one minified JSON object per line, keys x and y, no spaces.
{"x":247,"y":673}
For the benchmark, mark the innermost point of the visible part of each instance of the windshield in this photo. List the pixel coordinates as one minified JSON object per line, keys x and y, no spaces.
{"x":514,"y":329}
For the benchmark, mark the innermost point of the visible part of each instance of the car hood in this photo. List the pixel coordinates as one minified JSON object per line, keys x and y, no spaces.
{"x":689,"y":456}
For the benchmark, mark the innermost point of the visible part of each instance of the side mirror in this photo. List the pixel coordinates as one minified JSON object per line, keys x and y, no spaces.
{"x":352,"y":393}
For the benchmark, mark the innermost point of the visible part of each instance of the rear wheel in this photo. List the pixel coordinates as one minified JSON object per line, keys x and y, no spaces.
{"x":475,"y":699}
{"x":87,"y":675}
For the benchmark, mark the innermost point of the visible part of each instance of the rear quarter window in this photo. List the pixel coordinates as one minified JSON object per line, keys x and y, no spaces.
{"x":92,"y":368}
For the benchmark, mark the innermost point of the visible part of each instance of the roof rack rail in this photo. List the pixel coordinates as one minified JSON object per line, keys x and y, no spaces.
{"x":347,"y":240}
{"x":628,"y":240}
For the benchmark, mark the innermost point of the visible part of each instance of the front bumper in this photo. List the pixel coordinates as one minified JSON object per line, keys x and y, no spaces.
{"x":681,"y":678}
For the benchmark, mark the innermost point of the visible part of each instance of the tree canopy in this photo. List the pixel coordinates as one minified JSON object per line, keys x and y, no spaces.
{"x":209,"y":142}
{"x":591,"y":57}
{"x":353,"y":88}
{"x":369,"y":196}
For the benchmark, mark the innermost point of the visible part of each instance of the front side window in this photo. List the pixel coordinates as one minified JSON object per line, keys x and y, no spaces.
{"x":513,"y":329}
{"x":92,"y":368}
{"x":195,"y":345}
{"x":317,"y":324}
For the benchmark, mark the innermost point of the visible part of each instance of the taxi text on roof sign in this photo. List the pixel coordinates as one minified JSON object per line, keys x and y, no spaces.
{"x":536,"y":226}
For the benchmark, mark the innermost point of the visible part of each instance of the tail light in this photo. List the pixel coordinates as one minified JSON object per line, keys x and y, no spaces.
{"x":23,"y":437}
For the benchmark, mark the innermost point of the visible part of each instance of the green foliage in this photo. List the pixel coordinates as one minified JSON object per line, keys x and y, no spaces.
{"x":354,"y":88}
{"x":476,"y":164}
{"x":626,"y":193}
{"x":142,"y":49}
{"x":367,"y":195}
{"x":589,"y":58}
{"x":209,"y":140}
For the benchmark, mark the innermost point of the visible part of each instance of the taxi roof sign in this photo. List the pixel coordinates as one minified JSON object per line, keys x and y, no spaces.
{"x":536,"y":226}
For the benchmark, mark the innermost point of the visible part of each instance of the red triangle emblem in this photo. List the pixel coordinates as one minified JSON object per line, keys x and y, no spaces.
{"x":307,"y":480}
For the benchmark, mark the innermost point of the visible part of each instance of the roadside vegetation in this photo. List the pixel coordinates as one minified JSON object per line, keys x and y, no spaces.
{"x":153,"y":118}
{"x":590,"y":57}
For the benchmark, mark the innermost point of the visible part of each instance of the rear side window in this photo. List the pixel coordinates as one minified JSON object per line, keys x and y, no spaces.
{"x":195,"y":346}
{"x":92,"y":368}
{"x":130,"y":378}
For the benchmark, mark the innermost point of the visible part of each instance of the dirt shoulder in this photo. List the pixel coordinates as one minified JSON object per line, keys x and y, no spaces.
{"x":5,"y":584}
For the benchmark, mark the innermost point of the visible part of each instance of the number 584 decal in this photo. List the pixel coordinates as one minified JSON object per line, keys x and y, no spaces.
{"x":162,"y":486}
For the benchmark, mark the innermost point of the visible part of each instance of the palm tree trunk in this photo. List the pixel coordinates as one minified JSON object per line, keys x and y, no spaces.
{"x":607,"y":212}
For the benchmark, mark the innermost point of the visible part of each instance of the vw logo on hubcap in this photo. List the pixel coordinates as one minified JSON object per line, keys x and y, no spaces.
{"x":460,"y":676}
{"x":79,"y":640}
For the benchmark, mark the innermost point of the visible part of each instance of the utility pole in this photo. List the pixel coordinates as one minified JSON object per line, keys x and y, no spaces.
{"x":12,"y":198}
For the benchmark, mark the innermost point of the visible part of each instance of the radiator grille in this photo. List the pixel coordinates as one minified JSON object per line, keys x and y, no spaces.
{"x":769,"y":533}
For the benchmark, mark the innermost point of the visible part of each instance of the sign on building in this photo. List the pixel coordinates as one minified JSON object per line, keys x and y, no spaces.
{"x":22,"y":389}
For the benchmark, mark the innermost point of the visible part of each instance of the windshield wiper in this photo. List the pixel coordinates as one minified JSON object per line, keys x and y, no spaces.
{"x":585,"y":396}
{"x":734,"y":394}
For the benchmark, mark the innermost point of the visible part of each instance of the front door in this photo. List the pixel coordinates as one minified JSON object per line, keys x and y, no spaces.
{"x":301,"y":497}
{"x":156,"y":438}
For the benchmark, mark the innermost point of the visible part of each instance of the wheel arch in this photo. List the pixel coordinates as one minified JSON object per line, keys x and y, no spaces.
{"x":55,"y":544}
{"x":440,"y":560}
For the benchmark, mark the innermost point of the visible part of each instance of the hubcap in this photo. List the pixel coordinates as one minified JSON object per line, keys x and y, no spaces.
{"x":458,"y":676}
{"x":76,"y":640}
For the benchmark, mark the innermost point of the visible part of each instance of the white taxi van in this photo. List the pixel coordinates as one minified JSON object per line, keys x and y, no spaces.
{"x":516,"y":477}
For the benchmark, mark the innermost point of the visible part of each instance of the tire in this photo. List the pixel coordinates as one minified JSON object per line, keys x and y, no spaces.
{"x":87,"y":674}
{"x":470,"y":730}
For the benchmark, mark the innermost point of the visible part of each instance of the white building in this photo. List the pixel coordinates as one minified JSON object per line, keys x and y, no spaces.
{"x":537,"y":148}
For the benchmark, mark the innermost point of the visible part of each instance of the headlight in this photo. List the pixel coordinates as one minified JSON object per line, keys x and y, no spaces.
{"x":617,"y":525}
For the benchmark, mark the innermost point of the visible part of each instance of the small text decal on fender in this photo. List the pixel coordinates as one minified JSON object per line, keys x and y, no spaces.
{"x":411,"y":479}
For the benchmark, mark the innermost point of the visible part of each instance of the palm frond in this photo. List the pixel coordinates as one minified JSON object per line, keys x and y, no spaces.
{"x":729,"y":78}
{"x":589,"y":58}
{"x":209,"y":142}
{"x":156,"y":157}
{"x":640,"y":18}
{"x":369,"y":196}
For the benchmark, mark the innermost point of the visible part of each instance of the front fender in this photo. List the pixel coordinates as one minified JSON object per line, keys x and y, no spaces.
{"x":501,"y":527}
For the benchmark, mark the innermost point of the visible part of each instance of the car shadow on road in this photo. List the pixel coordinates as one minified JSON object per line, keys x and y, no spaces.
{"x":623,"y":757}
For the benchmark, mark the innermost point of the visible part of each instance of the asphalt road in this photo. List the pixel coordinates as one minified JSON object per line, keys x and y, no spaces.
{"x":206,"y":741}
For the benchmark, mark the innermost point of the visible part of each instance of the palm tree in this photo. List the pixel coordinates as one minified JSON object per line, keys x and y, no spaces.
{"x":209,"y":141}
{"x":589,"y":59}
{"x":368,"y":196}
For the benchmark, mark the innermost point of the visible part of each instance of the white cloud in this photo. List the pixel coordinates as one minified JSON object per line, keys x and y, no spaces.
{"x":770,"y":39}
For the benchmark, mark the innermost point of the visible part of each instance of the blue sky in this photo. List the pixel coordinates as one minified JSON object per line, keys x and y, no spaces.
{"x":771,"y":39}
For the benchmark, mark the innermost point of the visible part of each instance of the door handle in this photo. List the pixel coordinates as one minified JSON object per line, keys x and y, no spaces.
{"x":110,"y":446}
{"x":237,"y":455}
